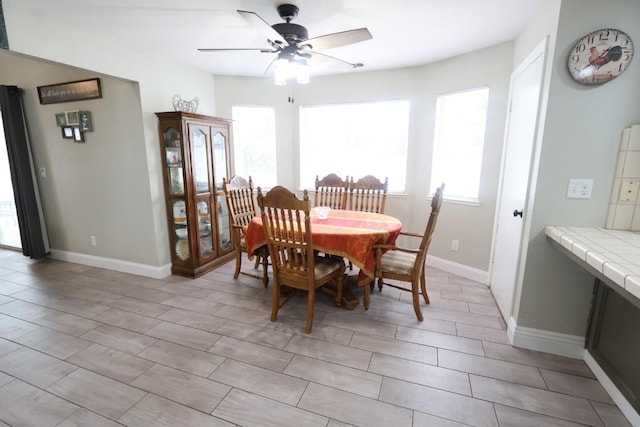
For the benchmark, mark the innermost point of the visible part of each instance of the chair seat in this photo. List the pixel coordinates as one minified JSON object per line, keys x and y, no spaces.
{"x":326,"y":266}
{"x":397,"y":262}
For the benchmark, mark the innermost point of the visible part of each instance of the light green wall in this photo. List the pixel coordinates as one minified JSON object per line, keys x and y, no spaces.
{"x":94,"y":188}
{"x":581,"y":135}
{"x":580,"y":131}
{"x":470,"y":224}
{"x":152,"y":83}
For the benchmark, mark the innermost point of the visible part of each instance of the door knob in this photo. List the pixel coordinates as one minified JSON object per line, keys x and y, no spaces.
{"x":517,"y":213}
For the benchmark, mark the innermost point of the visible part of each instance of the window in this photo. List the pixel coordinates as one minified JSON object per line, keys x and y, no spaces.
{"x":355,"y":139}
{"x":458,"y":143}
{"x":254,"y":144}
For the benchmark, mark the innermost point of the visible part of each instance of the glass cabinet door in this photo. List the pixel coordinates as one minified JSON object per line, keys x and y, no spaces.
{"x":220,"y":158}
{"x":174,"y":161}
{"x":181,"y":229}
{"x":204,"y":228}
{"x":224,"y":227}
{"x":200,"y":163}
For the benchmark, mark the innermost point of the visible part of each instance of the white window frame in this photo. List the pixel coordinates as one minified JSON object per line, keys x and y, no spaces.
{"x":257,"y":139}
{"x":458,"y":143}
{"x":355,"y":139}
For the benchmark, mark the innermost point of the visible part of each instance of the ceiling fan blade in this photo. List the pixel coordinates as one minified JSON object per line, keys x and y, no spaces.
{"x":260,"y":24}
{"x":342,"y":38}
{"x":255,"y":49}
{"x":353,"y":65}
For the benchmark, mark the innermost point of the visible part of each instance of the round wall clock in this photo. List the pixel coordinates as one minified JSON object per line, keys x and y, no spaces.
{"x":600,"y":56}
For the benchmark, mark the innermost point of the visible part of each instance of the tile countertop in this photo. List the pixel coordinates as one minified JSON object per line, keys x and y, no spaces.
{"x":614,"y":253}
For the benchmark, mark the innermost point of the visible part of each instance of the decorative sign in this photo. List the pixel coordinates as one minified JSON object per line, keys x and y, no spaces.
{"x":70,"y":91}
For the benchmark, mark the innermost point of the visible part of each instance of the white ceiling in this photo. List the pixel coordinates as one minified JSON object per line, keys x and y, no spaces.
{"x":405,"y":32}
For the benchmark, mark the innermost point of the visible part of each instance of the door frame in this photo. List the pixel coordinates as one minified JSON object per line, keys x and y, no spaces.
{"x":540,"y":49}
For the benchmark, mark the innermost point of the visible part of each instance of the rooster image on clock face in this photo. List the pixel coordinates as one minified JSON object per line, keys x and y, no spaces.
{"x":597,"y":60}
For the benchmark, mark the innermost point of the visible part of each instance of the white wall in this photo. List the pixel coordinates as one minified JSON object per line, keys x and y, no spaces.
{"x":582,"y":129}
{"x":471,"y":225}
{"x":543,"y":23}
{"x":153,"y":81}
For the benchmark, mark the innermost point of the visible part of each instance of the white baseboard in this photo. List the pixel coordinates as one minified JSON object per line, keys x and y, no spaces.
{"x":458,"y":269}
{"x":545,"y":341}
{"x":112,"y":264}
{"x":632,"y":416}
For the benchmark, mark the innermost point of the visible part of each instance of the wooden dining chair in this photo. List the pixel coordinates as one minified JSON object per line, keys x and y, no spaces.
{"x":287,"y":227}
{"x":408,"y":265}
{"x":240,"y":201}
{"x":368,"y":194}
{"x":331,"y":191}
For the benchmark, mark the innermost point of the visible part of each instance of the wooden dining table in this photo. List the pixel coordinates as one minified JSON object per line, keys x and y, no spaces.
{"x":345,"y":233}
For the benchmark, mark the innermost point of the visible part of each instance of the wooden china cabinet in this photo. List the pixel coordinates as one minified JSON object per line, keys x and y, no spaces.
{"x":195,"y":158}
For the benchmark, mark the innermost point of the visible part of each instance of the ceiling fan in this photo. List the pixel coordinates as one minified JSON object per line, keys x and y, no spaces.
{"x":292,"y":44}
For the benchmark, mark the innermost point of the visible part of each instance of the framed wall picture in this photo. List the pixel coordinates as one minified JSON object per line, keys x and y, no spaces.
{"x":61,"y":119}
{"x":67,"y":132}
{"x":70,"y":91}
{"x":73,"y":118}
{"x":78,"y":136}
{"x":86,"y":124}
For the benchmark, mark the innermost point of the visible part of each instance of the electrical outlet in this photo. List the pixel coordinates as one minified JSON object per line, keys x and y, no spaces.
{"x":580,"y":189}
{"x":93,"y":240}
{"x":43,"y":172}
{"x":455,"y":245}
{"x":629,"y":190}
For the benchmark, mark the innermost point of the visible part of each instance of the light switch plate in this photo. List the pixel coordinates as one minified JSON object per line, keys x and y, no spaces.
{"x":580,"y":189}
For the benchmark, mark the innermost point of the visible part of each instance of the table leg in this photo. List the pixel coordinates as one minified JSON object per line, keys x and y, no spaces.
{"x":349,"y":300}
{"x":366,"y":300}
{"x":358,"y":281}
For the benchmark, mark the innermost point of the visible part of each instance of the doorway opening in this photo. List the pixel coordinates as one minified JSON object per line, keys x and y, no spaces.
{"x":9,"y":229}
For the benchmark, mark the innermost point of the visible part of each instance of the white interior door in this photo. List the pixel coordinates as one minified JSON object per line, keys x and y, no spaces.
{"x":520,"y":137}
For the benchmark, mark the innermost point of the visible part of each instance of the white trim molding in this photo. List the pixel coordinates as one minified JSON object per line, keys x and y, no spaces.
{"x":112,"y":264}
{"x":570,"y":346}
{"x":458,"y":269}
{"x":623,"y":404}
{"x":545,"y":341}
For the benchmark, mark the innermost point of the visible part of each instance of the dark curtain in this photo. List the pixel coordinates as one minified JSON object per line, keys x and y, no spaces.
{"x":24,"y":192}
{"x":4,"y":41}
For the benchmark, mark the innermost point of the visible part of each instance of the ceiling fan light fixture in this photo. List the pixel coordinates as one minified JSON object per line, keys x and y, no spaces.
{"x":301,"y":71}
{"x":288,"y":68}
{"x":281,"y":71}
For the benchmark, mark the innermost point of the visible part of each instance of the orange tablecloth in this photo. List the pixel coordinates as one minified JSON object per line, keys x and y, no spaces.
{"x":350,"y":234}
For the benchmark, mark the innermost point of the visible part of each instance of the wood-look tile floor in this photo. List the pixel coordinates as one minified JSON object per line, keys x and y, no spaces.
{"x":83,"y":346}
